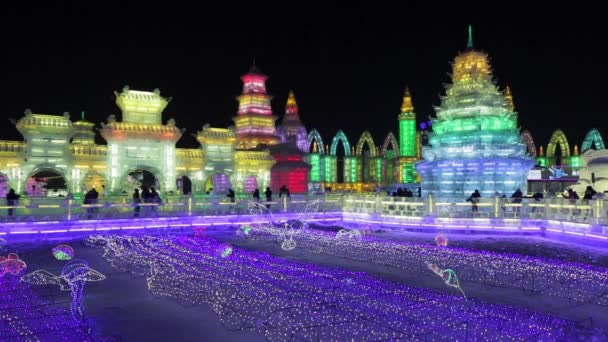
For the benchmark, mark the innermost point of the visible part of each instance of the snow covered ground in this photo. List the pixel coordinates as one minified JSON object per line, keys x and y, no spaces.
{"x":122,"y":307}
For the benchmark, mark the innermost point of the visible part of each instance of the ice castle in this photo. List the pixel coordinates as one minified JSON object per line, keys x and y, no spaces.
{"x":476,"y":142}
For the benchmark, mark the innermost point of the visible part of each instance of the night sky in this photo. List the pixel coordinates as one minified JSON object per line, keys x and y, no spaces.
{"x":348,"y":65}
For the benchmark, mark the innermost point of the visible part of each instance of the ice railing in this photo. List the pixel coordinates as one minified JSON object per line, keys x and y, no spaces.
{"x":560,"y":209}
{"x":590,"y":212}
{"x":117,"y":207}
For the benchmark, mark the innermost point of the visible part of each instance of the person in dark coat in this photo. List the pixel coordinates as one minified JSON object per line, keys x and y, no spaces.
{"x":11,"y":200}
{"x":474,"y":199}
{"x":231,"y":195}
{"x":268,"y":194}
{"x":136,"y":201}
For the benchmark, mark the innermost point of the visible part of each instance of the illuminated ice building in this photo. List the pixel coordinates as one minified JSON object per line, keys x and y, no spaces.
{"x":366,"y":166}
{"x":476,"y":142}
{"x":59,"y":156}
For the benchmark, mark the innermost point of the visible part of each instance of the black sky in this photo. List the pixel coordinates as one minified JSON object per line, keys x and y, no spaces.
{"x":348,"y":64}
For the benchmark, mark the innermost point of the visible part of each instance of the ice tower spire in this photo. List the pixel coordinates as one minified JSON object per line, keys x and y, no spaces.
{"x":470,"y":41}
{"x":509,"y":99}
{"x":406,"y":105}
{"x":291,"y":126}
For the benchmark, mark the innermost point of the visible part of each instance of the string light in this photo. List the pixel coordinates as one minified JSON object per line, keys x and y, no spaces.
{"x":292,"y":227}
{"x":571,"y":281}
{"x":72,"y":278}
{"x":287,"y":300}
{"x":27,"y":316}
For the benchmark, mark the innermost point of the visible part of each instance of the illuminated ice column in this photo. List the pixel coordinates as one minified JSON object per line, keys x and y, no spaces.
{"x":114,"y":158}
{"x":351,"y":168}
{"x":407,"y":127}
{"x":408,"y":140}
{"x":316,"y":160}
{"x":330,"y":171}
{"x":168,"y":169}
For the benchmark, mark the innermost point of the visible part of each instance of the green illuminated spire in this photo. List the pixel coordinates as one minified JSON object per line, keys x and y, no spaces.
{"x":82,"y":115}
{"x":470,"y":41}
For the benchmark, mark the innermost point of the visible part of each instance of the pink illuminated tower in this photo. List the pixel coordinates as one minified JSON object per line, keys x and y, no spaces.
{"x":254,"y":122}
{"x":291,"y":127}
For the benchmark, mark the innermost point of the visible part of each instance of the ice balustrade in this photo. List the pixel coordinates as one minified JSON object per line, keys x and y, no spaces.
{"x":560,"y":209}
{"x":425,"y":210}
{"x":122,"y":207}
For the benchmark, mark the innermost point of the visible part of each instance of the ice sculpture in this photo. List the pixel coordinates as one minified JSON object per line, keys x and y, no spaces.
{"x":72,"y":278}
{"x":476,"y":143}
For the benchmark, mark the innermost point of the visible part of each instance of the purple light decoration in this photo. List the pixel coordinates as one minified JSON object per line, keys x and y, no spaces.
{"x":72,"y":278}
{"x":221,"y":183}
{"x":259,"y":292}
{"x":36,"y":318}
{"x":251,"y":183}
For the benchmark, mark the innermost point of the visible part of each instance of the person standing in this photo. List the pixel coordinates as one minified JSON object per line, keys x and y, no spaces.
{"x":231,"y":195}
{"x":474,"y":199}
{"x":11,"y":201}
{"x":256,"y":195}
{"x":268,"y":194}
{"x":136,"y":201}
{"x":516,"y":198}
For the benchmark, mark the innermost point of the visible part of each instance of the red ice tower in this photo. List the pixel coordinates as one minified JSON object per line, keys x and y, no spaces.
{"x":289,"y":168}
{"x":254,"y":122}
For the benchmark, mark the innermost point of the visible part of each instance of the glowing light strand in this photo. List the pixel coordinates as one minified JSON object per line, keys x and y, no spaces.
{"x":72,"y":278}
{"x":288,"y":300}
